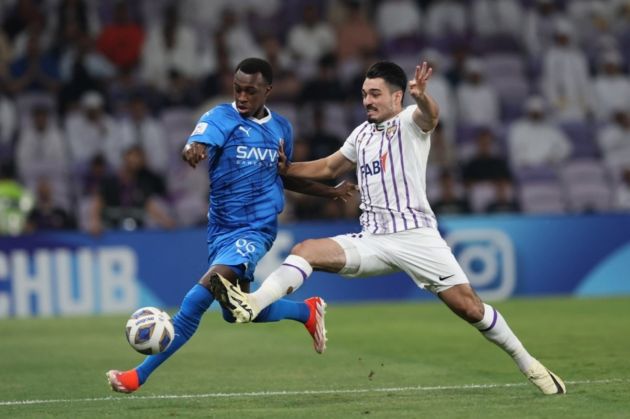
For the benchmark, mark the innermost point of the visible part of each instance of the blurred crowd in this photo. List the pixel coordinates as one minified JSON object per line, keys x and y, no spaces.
{"x":97,"y":98}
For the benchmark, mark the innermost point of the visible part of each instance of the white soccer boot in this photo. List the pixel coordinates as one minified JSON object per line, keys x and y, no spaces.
{"x":233,"y":299}
{"x":545,"y":380}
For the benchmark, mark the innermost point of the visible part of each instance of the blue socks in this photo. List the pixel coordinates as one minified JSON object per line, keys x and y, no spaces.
{"x":279,"y":310}
{"x":284,"y":309}
{"x":195,"y":303}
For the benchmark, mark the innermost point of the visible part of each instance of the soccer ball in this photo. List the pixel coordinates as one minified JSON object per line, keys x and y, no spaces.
{"x":150,"y":330}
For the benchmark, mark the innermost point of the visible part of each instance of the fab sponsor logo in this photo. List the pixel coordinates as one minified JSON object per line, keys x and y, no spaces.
{"x":375,"y":167}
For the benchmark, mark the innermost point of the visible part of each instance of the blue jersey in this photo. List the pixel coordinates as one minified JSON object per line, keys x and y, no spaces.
{"x":246,"y":191}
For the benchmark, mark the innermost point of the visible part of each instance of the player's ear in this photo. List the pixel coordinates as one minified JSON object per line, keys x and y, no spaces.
{"x":398,"y":96}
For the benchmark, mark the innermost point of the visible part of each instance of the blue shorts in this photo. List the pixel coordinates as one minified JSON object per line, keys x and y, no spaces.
{"x":238,"y":248}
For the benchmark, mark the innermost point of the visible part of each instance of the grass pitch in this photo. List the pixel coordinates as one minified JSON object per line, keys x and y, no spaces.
{"x":383,"y":361}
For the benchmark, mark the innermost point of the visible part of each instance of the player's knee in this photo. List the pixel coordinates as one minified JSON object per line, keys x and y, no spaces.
{"x":468,"y":309}
{"x":321,"y":254}
{"x":227,"y":315}
{"x":302,"y":249}
{"x":472,"y":312}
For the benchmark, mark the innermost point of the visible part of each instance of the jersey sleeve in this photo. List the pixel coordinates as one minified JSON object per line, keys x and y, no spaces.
{"x":213,"y":128}
{"x":349,"y":147}
{"x":288,"y":141}
{"x":406,"y":120}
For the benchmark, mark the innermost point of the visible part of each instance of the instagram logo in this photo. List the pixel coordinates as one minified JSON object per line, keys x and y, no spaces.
{"x":487,"y":258}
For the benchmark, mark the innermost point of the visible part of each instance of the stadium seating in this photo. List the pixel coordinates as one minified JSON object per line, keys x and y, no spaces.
{"x":586,"y":184}
{"x":513,"y":91}
{"x":582,"y":136}
{"x":583,"y":170}
{"x":536,"y":174}
{"x":480,"y":195}
{"x":514,"y":73}
{"x":178,"y":124}
{"x":542,"y":198}
{"x":494,"y":44}
{"x":589,"y":197}
{"x":500,"y":65}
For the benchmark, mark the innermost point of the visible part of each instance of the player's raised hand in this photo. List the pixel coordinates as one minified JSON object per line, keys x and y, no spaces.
{"x":193,"y":153}
{"x":344,"y":190}
{"x":283,"y":163}
{"x":418,"y":85}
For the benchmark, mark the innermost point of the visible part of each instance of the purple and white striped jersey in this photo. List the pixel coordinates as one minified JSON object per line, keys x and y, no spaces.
{"x":391,"y":159}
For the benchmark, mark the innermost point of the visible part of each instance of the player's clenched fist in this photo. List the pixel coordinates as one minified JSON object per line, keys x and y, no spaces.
{"x":193,"y":153}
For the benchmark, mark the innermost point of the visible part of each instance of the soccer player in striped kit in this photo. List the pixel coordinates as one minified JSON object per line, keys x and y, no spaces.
{"x":399,"y":230}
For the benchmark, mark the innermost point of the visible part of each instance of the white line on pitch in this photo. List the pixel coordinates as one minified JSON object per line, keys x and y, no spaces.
{"x":297,"y":393}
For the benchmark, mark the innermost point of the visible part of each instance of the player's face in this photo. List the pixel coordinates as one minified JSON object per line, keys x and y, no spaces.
{"x":379,"y":101}
{"x":250,"y":94}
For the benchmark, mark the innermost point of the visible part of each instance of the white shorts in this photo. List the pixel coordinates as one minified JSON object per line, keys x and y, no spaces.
{"x":421,"y":253}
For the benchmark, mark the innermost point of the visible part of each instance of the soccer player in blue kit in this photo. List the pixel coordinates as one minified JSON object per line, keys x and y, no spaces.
{"x":241,"y":142}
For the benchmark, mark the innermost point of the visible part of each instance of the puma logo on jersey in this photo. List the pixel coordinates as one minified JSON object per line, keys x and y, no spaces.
{"x":245,"y":130}
{"x":375,"y":167}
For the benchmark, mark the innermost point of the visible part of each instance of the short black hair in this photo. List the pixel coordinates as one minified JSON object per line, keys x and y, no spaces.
{"x":390,"y":72}
{"x":256,"y":65}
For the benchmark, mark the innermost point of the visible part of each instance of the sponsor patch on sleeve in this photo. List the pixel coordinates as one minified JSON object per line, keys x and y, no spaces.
{"x":200,"y":128}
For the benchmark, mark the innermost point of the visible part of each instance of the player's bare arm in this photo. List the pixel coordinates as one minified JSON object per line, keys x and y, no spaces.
{"x":304,"y":184}
{"x":427,"y":114}
{"x":193,"y":153}
{"x":342,"y":191}
{"x":327,"y":168}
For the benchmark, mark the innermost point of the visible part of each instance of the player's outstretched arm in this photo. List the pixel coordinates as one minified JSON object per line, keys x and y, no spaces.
{"x":427,"y":114}
{"x":342,"y":191}
{"x":328,"y":168}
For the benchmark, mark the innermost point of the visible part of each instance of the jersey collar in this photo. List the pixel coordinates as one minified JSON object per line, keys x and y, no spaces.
{"x":256,"y":120}
{"x":385,"y":124}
